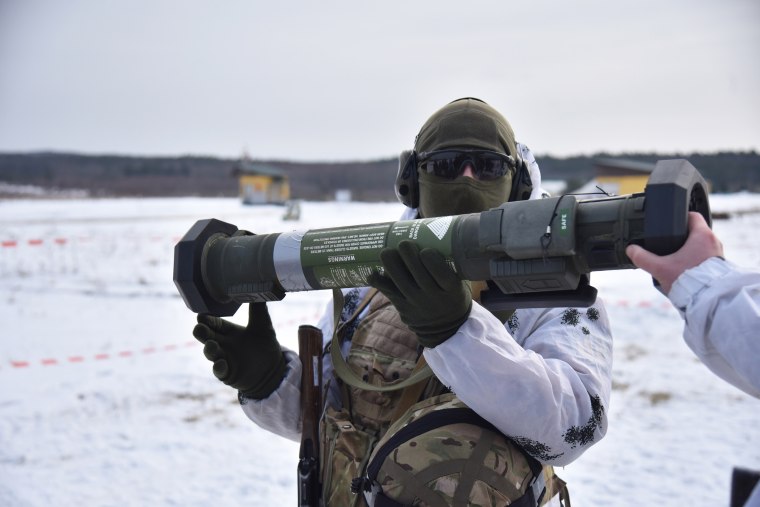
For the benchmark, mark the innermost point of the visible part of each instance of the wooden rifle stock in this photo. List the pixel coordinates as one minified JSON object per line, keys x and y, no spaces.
{"x":310,"y":353}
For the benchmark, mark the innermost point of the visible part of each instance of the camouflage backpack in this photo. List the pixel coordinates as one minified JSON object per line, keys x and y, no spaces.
{"x":441,"y":453}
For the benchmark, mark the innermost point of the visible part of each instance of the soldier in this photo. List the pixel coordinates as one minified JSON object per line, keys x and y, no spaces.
{"x":480,"y":405}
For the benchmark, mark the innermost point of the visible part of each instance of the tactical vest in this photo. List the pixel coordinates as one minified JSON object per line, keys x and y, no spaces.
{"x":378,"y":389}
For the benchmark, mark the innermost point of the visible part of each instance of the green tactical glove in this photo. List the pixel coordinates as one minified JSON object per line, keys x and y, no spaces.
{"x":247,"y":358}
{"x":428,"y":295}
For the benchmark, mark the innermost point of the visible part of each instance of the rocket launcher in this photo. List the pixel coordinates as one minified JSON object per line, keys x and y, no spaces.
{"x":536,"y":253}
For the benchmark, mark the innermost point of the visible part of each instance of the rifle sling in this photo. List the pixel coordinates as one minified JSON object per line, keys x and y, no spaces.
{"x":339,"y":362}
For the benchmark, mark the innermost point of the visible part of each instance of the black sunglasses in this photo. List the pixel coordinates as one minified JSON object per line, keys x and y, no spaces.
{"x":449,"y":164}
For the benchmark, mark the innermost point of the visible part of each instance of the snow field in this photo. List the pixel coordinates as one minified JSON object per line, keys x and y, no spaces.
{"x":106,"y":398}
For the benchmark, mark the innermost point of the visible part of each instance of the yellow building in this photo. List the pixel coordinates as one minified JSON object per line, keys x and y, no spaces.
{"x":261,"y":183}
{"x":620,"y":177}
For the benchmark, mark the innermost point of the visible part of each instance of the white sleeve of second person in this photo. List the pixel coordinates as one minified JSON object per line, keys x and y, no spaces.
{"x":547,"y":388}
{"x":720,"y":304}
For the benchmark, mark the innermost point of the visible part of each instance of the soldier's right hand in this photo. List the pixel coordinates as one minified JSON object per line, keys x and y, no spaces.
{"x":248,"y":358}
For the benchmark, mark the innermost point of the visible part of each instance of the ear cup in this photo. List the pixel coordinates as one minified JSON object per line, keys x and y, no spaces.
{"x":407,"y":186}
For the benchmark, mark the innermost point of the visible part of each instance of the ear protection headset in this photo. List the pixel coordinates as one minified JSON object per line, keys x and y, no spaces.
{"x":408,"y":187}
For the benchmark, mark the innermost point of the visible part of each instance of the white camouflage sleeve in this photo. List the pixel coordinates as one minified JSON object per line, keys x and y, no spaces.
{"x":720,"y":304}
{"x":280,"y":412}
{"x":547,"y":388}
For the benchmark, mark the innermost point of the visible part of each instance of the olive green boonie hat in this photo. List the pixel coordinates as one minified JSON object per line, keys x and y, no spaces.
{"x":466,"y":123}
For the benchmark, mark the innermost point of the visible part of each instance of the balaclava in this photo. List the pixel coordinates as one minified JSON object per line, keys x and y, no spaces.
{"x":466,"y":123}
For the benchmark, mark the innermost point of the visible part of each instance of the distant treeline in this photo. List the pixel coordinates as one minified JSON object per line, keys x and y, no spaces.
{"x":112,"y":175}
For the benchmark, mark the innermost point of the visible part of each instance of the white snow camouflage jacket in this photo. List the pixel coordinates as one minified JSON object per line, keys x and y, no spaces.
{"x":720,"y":304}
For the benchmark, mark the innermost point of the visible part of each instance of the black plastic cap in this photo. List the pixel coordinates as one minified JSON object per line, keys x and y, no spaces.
{"x":188,"y":277}
{"x":674,"y":188}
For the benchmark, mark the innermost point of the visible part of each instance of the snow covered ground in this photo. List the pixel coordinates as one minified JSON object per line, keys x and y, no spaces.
{"x":106,"y":399}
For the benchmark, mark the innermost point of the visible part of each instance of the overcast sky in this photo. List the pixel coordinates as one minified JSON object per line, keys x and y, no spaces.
{"x":341,"y":80}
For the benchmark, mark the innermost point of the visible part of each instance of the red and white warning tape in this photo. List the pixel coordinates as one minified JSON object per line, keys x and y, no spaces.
{"x":12,"y":243}
{"x":104,"y":356}
{"x":60,"y":241}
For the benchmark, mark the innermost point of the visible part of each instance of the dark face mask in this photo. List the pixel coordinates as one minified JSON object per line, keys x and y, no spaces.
{"x":442,"y":197}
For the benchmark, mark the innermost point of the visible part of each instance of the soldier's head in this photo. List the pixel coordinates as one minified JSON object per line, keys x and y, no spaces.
{"x":464,"y":161}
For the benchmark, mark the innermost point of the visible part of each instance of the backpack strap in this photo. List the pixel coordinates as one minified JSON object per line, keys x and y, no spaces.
{"x":411,"y":394}
{"x":339,"y":362}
